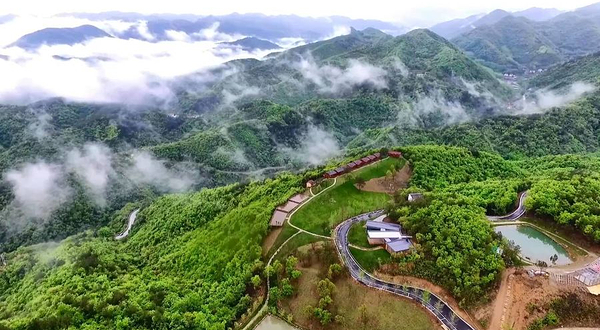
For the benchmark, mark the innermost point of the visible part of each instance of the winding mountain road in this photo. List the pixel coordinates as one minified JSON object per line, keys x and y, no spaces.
{"x":433,"y":303}
{"x":130,"y":223}
{"x":514,"y":215}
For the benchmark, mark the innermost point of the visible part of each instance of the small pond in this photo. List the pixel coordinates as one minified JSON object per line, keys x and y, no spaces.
{"x":534,"y":244}
{"x":274,"y":323}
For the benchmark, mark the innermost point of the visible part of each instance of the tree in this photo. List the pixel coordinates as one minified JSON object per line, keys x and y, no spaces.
{"x":360,"y":182}
{"x":256,"y":281}
{"x":334,"y":270}
{"x":363,"y":316}
{"x":542,"y":265}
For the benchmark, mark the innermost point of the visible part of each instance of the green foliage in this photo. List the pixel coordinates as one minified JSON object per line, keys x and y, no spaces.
{"x":187,"y":265}
{"x":457,"y":243}
{"x":439,"y":167}
{"x":358,"y":235}
{"x":335,"y":205}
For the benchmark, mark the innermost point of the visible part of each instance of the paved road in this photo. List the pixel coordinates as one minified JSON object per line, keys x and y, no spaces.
{"x":443,"y":311}
{"x":130,"y":223}
{"x":516,"y":214}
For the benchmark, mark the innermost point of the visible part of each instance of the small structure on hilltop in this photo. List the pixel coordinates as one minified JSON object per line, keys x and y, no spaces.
{"x":395,"y":154}
{"x":388,"y":234}
{"x":311,"y":183}
{"x":352,"y":166}
{"x":413,"y":197}
{"x":278,"y":218}
{"x":282,"y":211}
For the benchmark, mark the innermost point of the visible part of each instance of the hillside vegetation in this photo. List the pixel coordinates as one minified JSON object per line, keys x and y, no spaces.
{"x":187,"y":265}
{"x":517,"y":43}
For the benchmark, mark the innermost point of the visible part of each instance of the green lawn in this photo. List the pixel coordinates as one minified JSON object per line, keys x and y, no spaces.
{"x":379,"y":169}
{"x":358,"y":235}
{"x":333,"y":206}
{"x":296,"y":242}
{"x":371,"y":260}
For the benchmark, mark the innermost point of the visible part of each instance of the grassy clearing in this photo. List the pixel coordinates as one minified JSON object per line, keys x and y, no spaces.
{"x":358,"y":235}
{"x":383,"y":311}
{"x":371,"y":260}
{"x":379,"y":169}
{"x":302,"y":239}
{"x":333,"y":206}
{"x":285,"y":233}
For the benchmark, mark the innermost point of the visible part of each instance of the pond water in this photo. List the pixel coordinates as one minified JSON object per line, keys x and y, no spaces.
{"x":274,"y":323}
{"x":534,"y":244}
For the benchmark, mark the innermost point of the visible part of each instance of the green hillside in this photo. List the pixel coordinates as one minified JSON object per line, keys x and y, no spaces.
{"x":516,"y":43}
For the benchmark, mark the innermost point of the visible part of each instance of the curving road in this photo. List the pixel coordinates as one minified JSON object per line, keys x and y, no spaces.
{"x":514,"y":215}
{"x":130,"y":223}
{"x":443,"y":312}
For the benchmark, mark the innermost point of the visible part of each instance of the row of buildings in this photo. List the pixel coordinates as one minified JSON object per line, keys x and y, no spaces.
{"x":388,"y":234}
{"x":282,"y":211}
{"x":359,"y":163}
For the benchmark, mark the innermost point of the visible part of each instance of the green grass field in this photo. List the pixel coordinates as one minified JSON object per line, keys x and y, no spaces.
{"x":379,"y":169}
{"x":358,"y":235}
{"x":371,"y":260}
{"x":333,"y":206}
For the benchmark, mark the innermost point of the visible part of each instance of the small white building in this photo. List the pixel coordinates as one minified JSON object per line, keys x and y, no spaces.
{"x":412,"y":197}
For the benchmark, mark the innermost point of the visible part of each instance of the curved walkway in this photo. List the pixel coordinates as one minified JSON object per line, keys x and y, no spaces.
{"x":289,"y":216}
{"x":442,"y":311}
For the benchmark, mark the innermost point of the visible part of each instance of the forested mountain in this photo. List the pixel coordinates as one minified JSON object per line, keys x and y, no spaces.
{"x":516,"y":43}
{"x":252,"y":44}
{"x":60,"y":36}
{"x":583,"y":69}
{"x":457,"y":27}
{"x":538,"y":14}
{"x":260,"y":26}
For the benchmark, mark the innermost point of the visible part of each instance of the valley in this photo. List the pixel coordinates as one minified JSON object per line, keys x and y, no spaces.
{"x":253,"y":171}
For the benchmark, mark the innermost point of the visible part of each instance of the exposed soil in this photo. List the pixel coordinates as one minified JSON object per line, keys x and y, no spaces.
{"x":520,"y":300}
{"x":270,"y":240}
{"x":384,"y":185}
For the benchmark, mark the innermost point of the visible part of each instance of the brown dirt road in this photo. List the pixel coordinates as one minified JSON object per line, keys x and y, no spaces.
{"x":502,"y":298}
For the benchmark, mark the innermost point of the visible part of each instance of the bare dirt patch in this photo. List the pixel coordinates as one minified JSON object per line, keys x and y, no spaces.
{"x":385,"y":185}
{"x":270,"y":240}
{"x":522,"y":299}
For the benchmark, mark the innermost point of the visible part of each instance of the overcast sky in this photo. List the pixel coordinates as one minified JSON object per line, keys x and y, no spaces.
{"x":397,"y":11}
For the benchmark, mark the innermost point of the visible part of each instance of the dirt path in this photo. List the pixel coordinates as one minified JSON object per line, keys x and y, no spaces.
{"x":383,"y":185}
{"x":502,"y":299}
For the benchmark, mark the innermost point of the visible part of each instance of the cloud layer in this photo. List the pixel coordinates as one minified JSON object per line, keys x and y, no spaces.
{"x":107,"y":70}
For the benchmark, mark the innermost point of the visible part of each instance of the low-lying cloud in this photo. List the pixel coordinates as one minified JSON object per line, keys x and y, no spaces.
{"x":317,"y":147}
{"x":146,"y":169}
{"x":39,"y":189}
{"x":543,"y":100}
{"x":110,"y":70}
{"x":93,"y":166}
{"x":332,"y":79}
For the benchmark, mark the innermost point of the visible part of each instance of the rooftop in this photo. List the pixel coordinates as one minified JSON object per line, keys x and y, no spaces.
{"x":289,"y":206}
{"x":379,"y":225}
{"x":374,"y":234}
{"x":299,"y":198}
{"x":399,"y":245}
{"x":278,"y":218}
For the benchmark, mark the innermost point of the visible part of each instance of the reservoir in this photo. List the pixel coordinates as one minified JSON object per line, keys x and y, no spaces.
{"x":534,"y":244}
{"x":274,"y":323}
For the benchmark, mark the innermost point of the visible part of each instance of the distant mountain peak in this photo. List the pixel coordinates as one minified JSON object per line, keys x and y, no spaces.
{"x":253,"y":43}
{"x":60,"y":36}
